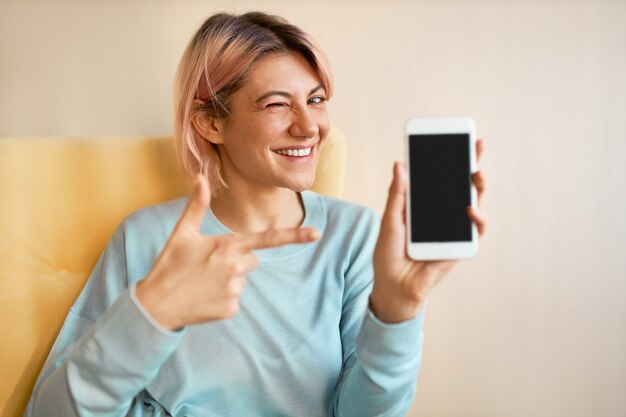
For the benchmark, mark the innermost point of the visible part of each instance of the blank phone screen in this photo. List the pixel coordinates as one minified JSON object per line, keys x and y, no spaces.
{"x":440,"y":187}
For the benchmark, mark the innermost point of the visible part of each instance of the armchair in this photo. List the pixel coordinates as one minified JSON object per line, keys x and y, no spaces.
{"x":60,"y":201}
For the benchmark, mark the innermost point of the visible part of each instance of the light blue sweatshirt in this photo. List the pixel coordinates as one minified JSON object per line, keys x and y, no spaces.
{"x":304,"y":342}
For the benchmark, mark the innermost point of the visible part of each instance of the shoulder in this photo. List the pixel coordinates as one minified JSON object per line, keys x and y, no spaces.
{"x":155,"y":218}
{"x":144,"y":232}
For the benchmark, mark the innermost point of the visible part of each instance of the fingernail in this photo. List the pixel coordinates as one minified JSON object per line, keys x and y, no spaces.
{"x":398,"y":170}
{"x":314,"y":234}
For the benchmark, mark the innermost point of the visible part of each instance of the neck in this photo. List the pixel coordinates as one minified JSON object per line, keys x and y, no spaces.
{"x":246,"y":209}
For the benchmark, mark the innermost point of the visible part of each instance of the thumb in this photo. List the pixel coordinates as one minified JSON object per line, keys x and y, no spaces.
{"x":198,"y":203}
{"x":396,"y":201}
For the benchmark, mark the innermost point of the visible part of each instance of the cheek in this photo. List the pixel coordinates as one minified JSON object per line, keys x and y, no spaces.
{"x":276,"y":124}
{"x":271,"y":127}
{"x":246,"y":139}
{"x":323,"y":123}
{"x":264,"y":130}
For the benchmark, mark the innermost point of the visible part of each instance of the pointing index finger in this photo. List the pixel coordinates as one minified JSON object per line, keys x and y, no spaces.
{"x":274,"y":238}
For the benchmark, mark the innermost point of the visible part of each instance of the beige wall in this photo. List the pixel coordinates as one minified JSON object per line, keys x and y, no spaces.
{"x":536,"y":325}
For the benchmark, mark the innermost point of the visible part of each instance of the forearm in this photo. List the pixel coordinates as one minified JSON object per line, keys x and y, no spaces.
{"x":381,"y":379}
{"x":107,"y":367}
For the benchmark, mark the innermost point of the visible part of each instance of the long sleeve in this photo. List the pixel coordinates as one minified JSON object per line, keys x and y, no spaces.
{"x":108,"y":350}
{"x":380,"y":361}
{"x":379,"y":375}
{"x":303,"y":343}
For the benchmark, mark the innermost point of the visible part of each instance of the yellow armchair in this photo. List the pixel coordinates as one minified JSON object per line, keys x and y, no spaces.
{"x":60,"y":201}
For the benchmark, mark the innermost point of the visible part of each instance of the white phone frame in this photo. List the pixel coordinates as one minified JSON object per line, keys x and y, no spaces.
{"x":441,"y":250}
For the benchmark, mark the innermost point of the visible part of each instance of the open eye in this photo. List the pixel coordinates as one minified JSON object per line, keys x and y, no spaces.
{"x":317,"y":100}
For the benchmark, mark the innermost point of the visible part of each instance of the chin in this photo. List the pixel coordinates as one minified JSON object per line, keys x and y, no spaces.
{"x":299,"y":188}
{"x":300,"y":185}
{"x":301,"y":181}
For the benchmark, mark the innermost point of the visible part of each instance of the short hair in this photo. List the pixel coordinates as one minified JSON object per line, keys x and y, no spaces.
{"x":215,"y":65}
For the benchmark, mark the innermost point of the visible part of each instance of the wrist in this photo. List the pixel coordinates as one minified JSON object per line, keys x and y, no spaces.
{"x":393,"y":307}
{"x":154,"y":303}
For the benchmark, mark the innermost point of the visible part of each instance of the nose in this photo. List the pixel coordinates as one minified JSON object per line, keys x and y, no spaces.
{"x":304,"y":125}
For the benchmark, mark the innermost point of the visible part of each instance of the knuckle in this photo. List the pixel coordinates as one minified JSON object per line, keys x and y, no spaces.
{"x":236,"y":286}
{"x":271,"y":237}
{"x":225,"y":243}
{"x":254,"y":261}
{"x":235,"y":268}
{"x":415,"y":296}
{"x":432,"y":269}
{"x":232,"y":308}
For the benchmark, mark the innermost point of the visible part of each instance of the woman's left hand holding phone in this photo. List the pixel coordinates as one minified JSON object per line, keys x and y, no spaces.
{"x":401,"y":284}
{"x":200,"y":278}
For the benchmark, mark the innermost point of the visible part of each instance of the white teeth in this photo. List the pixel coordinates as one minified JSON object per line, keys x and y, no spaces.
{"x":294,"y":152}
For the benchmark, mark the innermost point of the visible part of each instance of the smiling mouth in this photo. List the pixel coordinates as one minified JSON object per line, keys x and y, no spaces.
{"x":297,"y":152}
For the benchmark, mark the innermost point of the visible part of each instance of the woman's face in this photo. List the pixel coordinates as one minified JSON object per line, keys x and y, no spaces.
{"x":279,"y":106}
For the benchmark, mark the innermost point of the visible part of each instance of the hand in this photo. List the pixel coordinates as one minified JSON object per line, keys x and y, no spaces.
{"x":400,"y":283}
{"x":200,"y":278}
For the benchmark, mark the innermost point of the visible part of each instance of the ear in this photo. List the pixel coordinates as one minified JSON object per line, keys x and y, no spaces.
{"x":210,"y":128}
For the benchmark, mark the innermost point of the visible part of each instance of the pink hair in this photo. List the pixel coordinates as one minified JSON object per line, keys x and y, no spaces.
{"x":214,"y":66}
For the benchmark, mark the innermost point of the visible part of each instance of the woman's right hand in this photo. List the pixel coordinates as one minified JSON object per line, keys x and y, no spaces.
{"x":200,"y":278}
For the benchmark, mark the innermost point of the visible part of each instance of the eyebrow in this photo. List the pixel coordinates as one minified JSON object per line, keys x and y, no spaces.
{"x":285,"y":94}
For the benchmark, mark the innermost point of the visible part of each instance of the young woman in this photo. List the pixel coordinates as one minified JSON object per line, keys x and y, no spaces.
{"x":330,"y":320}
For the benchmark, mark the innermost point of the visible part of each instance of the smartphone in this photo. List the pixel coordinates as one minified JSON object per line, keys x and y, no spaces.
{"x":441,"y":157}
